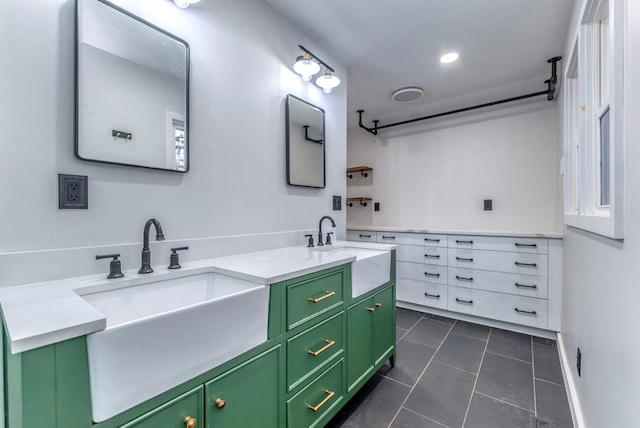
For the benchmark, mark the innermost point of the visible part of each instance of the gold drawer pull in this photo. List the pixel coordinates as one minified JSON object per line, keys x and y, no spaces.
{"x":329,"y":344}
{"x":190,"y":422}
{"x":327,"y":294}
{"x":378,"y":305}
{"x":220,"y":403}
{"x":329,"y":396}
{"x":371,"y":309}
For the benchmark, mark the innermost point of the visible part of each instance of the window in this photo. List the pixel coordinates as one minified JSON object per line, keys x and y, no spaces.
{"x":593,"y":122}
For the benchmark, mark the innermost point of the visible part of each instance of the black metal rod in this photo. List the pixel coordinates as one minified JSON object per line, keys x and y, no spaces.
{"x":316,"y":57}
{"x":306,"y":136}
{"x":550,"y":92}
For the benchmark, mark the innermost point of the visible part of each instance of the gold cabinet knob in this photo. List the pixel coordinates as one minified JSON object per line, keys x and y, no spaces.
{"x":378,"y":305}
{"x":220,"y":403}
{"x":190,"y":422}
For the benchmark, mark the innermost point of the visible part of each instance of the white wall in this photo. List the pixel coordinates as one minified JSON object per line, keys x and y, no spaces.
{"x":601,"y":282}
{"x":241,"y":56}
{"x":438,"y":177}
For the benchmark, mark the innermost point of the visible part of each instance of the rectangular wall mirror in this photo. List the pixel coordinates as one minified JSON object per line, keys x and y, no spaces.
{"x":132,"y":90}
{"x":305,"y":144}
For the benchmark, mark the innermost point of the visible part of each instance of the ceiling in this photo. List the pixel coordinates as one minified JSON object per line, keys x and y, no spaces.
{"x":387,"y":44}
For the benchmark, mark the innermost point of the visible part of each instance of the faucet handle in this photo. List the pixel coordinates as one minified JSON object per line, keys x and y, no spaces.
{"x":175,"y":258}
{"x":310,"y":244}
{"x":115,"y":267}
{"x":328,"y":242}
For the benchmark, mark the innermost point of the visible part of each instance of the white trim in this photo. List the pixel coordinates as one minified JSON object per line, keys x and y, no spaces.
{"x":571,"y":388}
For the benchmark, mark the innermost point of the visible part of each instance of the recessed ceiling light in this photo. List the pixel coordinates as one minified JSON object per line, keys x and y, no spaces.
{"x":406,"y":94}
{"x":449,"y":57}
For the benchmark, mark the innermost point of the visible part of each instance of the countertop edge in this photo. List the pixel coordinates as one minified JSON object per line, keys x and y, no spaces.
{"x":523,"y":234}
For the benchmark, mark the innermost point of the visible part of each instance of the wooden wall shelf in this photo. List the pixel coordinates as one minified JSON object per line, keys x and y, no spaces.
{"x":363,"y":201}
{"x":363,"y":170}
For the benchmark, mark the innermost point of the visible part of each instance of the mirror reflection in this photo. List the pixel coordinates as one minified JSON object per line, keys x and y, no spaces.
{"x":305,"y":144}
{"x":132,"y":90}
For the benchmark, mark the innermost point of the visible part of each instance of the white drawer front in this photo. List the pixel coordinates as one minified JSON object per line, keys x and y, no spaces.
{"x":500,"y":261}
{"x":505,"y":307}
{"x":361,"y":235}
{"x":422,"y":293}
{"x":400,"y":238}
{"x":429,"y":255}
{"x":499,"y":243}
{"x":511,"y":283}
{"x":422,"y":272}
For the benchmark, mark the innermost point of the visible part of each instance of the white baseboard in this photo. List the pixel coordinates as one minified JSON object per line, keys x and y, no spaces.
{"x":572,"y":393}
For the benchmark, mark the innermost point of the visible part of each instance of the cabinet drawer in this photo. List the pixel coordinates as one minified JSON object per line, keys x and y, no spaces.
{"x":511,"y":283}
{"x":361,"y":235}
{"x":505,"y":307}
{"x":310,"y":350}
{"x":422,"y":293}
{"x":309,"y":407}
{"x":500,"y":261}
{"x":314,"y":295}
{"x":430,"y":255}
{"x":422,"y":272}
{"x":499,"y":243}
{"x":174,"y":413}
{"x":418,"y":239}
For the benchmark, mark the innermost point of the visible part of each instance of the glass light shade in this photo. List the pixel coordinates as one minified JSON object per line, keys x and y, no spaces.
{"x":327,"y":82}
{"x":449,"y":57}
{"x":183,"y":4}
{"x":306,"y":67}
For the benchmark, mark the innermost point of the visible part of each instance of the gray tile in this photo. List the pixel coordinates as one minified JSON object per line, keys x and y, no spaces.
{"x":439,"y":318}
{"x":411,"y":359}
{"x":545,"y":341}
{"x":486,"y":412}
{"x":400,"y":332}
{"x":546,"y":363}
{"x":442,"y":394}
{"x":472,"y":330}
{"x":374,"y":406}
{"x":552,"y":404}
{"x":428,"y":332}
{"x":506,"y":379}
{"x":408,"y":419}
{"x":514,"y":345}
{"x":406,"y":318}
{"x":462,"y":352}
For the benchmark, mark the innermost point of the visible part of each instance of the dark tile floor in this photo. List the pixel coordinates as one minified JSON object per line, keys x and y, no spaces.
{"x":456,"y":374}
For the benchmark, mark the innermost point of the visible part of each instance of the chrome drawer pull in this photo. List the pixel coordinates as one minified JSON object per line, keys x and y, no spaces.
{"x":526,"y":286}
{"x":328,"y":344}
{"x":525,"y":312}
{"x":464,"y":242}
{"x":436,"y":275}
{"x":462,"y":259}
{"x":464,"y":278}
{"x":327,"y":294}
{"x":388,"y":237}
{"x":431,"y":240}
{"x":526,"y":245}
{"x":365,"y":236}
{"x":330,"y":395}
{"x":437,"y":296}
{"x":526,"y":264}
{"x":432,"y":256}
{"x":469,"y":302}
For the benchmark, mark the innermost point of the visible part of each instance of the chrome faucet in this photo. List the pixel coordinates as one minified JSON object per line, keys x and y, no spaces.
{"x":146,"y":252}
{"x":333,"y":224}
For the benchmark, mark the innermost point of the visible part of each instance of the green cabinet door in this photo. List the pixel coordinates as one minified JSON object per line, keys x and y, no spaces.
{"x":184,"y":411}
{"x":247,"y":396}
{"x":359,"y":341}
{"x":384,"y":324}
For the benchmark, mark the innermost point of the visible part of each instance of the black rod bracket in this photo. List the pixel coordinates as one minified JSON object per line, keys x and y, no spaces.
{"x":316,"y":57}
{"x":306,"y":135}
{"x":549,"y":92}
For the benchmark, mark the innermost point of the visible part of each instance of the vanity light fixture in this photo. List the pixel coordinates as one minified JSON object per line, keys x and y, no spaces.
{"x":449,"y":57}
{"x":308,"y":64}
{"x":183,"y":4}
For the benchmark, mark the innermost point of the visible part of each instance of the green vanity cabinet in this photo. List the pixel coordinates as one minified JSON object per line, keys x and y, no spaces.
{"x":246,"y":396}
{"x":371,"y":335}
{"x":186,"y":410}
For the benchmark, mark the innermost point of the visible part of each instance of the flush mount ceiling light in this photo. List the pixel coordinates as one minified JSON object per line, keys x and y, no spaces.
{"x":308,"y":64}
{"x":406,"y":94}
{"x":183,"y":4}
{"x":449,"y":57}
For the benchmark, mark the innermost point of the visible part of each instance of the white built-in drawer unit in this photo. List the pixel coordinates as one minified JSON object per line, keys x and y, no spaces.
{"x":505,"y":278}
{"x":361,"y":235}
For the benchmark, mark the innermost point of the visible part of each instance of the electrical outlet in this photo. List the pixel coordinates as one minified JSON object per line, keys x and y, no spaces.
{"x":488,"y":204}
{"x":376,"y":206}
{"x":72,"y":192}
{"x":337,"y":203}
{"x":579,"y":362}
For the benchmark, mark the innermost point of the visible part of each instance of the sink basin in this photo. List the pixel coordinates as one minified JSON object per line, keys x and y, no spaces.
{"x":371,"y":268}
{"x":164,"y":333}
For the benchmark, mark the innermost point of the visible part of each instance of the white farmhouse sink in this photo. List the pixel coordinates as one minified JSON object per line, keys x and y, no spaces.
{"x":164,"y":333}
{"x":370,"y":269}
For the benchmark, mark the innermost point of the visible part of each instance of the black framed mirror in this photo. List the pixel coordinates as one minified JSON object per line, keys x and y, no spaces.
{"x":132,"y":90}
{"x":305,"y":143}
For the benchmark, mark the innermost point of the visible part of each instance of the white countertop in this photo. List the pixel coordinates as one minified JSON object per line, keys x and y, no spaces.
{"x":44,"y":313}
{"x":517,"y":233}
